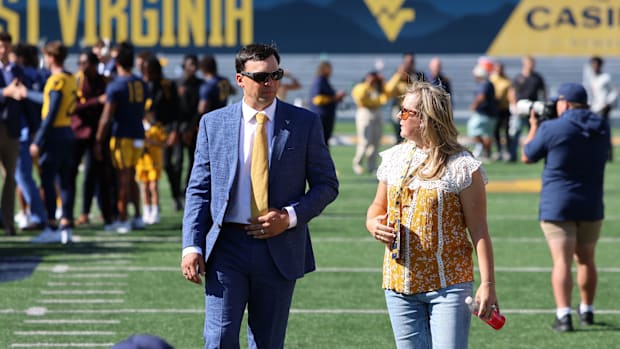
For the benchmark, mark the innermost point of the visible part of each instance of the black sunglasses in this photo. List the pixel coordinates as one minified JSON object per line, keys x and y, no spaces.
{"x":263,"y":76}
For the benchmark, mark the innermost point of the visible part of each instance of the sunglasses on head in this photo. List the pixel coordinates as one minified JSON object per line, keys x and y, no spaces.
{"x":407,"y":113}
{"x":263,"y":76}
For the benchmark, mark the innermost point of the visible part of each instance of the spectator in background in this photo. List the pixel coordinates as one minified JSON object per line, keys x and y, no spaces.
{"x":97,"y":175}
{"x":574,"y":147}
{"x":369,"y":97}
{"x":10,"y":126}
{"x":164,"y":105}
{"x":291,"y":84}
{"x":324,"y":98}
{"x":603,"y":94}
{"x":189,"y":89}
{"x":32,"y":215}
{"x":430,"y":194}
{"x":121,"y":122}
{"x":482,"y":122}
{"x":502,"y":87}
{"x":141,"y":59}
{"x":436,"y":77}
{"x":396,"y":87}
{"x":54,"y":144}
{"x":149,"y":166}
{"x":530,"y":85}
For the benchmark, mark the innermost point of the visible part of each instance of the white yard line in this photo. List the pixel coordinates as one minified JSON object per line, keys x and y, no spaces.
{"x":64,"y":333}
{"x":91,"y":276}
{"x":61,"y":345}
{"x":67,"y":274}
{"x":80,"y":301}
{"x":294,"y":311}
{"x":82,"y":292}
{"x":72,"y":321}
{"x":86,"y":284}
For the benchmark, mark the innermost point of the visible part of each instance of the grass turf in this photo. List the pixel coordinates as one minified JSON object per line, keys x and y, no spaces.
{"x":339,"y":306}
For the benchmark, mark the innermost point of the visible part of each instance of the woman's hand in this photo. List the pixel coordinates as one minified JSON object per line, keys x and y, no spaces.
{"x":379,"y":230}
{"x":486,"y":297}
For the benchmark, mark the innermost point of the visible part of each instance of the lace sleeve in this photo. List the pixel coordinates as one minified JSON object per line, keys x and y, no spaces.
{"x":391,"y":161}
{"x":461,"y":168}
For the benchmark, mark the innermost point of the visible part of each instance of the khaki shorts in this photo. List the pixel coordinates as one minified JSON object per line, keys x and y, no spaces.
{"x":586,"y":232}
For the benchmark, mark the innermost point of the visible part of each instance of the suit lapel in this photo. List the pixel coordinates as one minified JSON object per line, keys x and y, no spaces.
{"x":281,"y":132}
{"x":230,"y":129}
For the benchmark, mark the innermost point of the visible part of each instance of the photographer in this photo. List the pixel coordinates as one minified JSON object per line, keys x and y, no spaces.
{"x":574,"y":147}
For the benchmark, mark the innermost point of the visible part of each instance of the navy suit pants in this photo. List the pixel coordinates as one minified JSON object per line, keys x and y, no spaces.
{"x":240,"y":272}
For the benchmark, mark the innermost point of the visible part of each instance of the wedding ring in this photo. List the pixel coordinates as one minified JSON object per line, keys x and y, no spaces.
{"x":262,"y":231}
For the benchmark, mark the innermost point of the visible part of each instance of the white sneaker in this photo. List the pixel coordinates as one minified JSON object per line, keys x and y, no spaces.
{"x":137,"y":223}
{"x":21,"y":219}
{"x":146,"y":218}
{"x":112,"y":226}
{"x":155,"y":218}
{"x":123,"y":227}
{"x":66,"y":235}
{"x":48,"y":236}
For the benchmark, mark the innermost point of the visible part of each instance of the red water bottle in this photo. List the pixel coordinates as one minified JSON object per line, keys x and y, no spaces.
{"x":496,"y":321}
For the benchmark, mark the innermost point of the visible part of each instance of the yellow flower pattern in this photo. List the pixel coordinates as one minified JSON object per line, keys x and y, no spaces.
{"x":436,"y":251}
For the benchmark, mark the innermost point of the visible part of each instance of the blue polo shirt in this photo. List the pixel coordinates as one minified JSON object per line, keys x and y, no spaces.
{"x":575,"y":148}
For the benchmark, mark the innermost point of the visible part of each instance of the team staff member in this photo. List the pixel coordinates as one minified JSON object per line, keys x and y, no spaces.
{"x":122,"y":118}
{"x":574,"y":147}
{"x":54,"y":143}
{"x":249,"y":225}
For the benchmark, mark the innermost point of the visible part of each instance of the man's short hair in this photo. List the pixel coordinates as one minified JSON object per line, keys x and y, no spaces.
{"x":6,"y":37}
{"x":597,"y":59}
{"x":57,"y":50}
{"x":125,"y":55}
{"x":254,"y":52}
{"x":208,"y":64}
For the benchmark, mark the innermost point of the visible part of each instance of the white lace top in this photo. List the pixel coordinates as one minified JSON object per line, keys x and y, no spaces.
{"x":435,"y":250}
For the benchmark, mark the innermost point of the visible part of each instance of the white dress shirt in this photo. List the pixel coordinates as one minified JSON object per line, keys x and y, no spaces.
{"x":239,"y":209}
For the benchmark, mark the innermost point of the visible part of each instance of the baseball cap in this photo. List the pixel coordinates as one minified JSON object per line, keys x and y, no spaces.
{"x":572,"y":92}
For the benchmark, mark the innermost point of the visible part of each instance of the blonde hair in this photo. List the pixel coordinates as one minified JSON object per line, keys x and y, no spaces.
{"x":439,"y":132}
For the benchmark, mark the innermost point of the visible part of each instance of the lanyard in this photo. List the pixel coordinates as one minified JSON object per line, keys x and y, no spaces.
{"x":404,"y":178}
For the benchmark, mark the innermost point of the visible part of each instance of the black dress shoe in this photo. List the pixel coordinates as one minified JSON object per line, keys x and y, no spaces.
{"x":565,"y":324}
{"x":34,"y":226}
{"x":586,"y":318}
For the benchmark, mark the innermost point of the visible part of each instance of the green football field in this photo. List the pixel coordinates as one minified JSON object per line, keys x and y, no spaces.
{"x":105,"y":287}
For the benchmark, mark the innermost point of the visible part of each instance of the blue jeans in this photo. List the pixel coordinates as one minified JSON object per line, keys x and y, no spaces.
{"x":30,"y":190}
{"x":438,"y":319}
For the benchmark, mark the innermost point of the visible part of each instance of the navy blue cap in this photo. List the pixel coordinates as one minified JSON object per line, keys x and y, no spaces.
{"x":572,"y":92}
{"x":143,"y":341}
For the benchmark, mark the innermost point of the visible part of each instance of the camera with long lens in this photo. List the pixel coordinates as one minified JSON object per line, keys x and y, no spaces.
{"x":543,"y":110}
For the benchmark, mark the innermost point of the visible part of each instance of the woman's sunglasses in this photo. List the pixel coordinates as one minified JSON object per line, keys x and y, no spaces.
{"x":263,"y":76}
{"x":407,"y":113}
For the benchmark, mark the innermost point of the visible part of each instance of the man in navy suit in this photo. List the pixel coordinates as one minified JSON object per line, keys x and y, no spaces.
{"x":249,"y":260}
{"x":10,"y":126}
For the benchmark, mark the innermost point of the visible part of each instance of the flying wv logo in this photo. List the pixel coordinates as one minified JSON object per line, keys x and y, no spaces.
{"x":390,"y":15}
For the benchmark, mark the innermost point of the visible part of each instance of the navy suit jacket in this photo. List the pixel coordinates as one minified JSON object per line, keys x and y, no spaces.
{"x":11,"y":110}
{"x":299,"y":156}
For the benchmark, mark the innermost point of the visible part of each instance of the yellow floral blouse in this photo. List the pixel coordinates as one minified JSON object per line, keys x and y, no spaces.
{"x":435,"y":249}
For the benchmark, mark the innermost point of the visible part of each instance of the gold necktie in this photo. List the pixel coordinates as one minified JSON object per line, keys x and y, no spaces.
{"x":259,"y":174}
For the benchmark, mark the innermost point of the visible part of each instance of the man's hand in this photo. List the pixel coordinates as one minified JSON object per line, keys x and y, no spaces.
{"x":192,"y":266}
{"x":34,"y":150}
{"x":274,"y":223}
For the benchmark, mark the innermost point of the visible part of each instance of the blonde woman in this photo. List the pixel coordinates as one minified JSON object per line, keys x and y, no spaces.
{"x":430,"y":194}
